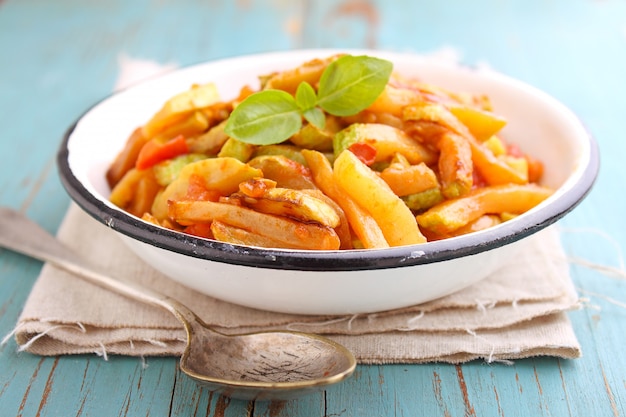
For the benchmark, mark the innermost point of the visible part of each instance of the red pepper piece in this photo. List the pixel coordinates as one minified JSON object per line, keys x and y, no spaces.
{"x":155,"y":151}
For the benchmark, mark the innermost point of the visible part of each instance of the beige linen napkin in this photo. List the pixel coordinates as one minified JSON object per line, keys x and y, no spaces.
{"x":517,"y":312}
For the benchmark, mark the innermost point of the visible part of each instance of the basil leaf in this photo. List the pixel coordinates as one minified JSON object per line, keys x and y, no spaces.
{"x":305,"y":96}
{"x":265,"y":118}
{"x":316,"y":117}
{"x":351,"y":83}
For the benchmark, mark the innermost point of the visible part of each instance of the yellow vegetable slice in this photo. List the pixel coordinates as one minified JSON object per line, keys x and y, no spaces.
{"x":450,"y":215}
{"x":135,"y":191}
{"x":494,"y":170}
{"x":222,"y":175}
{"x":295,"y":204}
{"x":361,"y":222}
{"x":372,"y":193}
{"x":289,"y":80}
{"x":407,"y":180}
{"x":290,"y":232}
{"x":393,"y":100}
{"x":481,"y":123}
{"x":286,"y":172}
{"x":181,"y":105}
{"x":235,"y":235}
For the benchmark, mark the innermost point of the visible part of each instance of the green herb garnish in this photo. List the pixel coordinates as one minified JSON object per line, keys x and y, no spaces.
{"x":347,"y":86}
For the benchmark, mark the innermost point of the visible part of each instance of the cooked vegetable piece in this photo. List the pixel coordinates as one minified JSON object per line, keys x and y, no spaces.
{"x":343,"y":228}
{"x":455,"y":165}
{"x":209,"y":142}
{"x":387,"y":141}
{"x":435,"y":113}
{"x":237,"y":236}
{"x":167,"y":171}
{"x":222,"y":175}
{"x":495,"y":145}
{"x":125,"y":160}
{"x":256,"y":187}
{"x":311,"y":137}
{"x":364,"y":151}
{"x":451,"y":215}
{"x":180,"y":106}
{"x":289,"y":80}
{"x":192,"y":125}
{"x":135,"y":192}
{"x":362,"y":223}
{"x":493,"y":170}
{"x":423,"y":200}
{"x":155,"y":151}
{"x":289,"y":151}
{"x":233,"y":148}
{"x":290,"y":232}
{"x":371,"y":192}
{"x":290,"y":203}
{"x":393,"y":100}
{"x":483,"y":222}
{"x":286,"y":172}
{"x":409,"y":179}
{"x":481,"y":123}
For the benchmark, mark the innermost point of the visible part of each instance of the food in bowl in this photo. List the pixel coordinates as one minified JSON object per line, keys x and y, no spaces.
{"x":381,"y":160}
{"x":330,"y":281}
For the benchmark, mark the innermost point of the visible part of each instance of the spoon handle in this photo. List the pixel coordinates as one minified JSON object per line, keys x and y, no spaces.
{"x":22,"y":235}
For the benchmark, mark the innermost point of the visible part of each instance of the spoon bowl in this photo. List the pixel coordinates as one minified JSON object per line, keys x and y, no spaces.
{"x":271,"y":365}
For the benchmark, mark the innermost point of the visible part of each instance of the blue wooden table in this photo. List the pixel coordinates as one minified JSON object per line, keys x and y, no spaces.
{"x":57,"y":58}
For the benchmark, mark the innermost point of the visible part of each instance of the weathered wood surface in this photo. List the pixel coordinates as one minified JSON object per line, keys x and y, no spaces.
{"x":58,"y":58}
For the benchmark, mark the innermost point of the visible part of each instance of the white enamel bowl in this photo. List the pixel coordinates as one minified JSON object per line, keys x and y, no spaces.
{"x":329,"y":282}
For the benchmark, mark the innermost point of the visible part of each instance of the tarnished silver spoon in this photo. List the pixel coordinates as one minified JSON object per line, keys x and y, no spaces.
{"x":264,"y":365}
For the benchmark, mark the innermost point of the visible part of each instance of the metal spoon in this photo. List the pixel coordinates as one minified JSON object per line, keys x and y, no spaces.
{"x":263,"y":365}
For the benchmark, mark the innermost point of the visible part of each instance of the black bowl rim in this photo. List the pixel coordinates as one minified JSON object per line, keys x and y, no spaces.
{"x":344,"y":260}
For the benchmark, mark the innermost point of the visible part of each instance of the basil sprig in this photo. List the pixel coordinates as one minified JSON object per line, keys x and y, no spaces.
{"x":347,"y":86}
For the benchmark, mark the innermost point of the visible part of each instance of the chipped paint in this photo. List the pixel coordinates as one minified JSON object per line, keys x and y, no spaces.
{"x":359,"y":9}
{"x":469,"y":408}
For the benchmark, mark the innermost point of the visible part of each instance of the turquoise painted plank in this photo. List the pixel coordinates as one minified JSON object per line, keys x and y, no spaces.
{"x":92,"y":379}
{"x":189,"y":399}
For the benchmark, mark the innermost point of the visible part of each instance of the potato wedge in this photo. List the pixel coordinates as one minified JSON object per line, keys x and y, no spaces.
{"x":407,"y":180}
{"x":373,"y":194}
{"x":209,"y":142}
{"x":237,"y":236}
{"x":450,"y":215}
{"x":222,"y":175}
{"x":125,"y":160}
{"x":135,"y":192}
{"x":180,"y":106}
{"x":191,"y":125}
{"x":289,"y":80}
{"x":290,"y":232}
{"x":343,"y":228}
{"x":286,"y":172}
{"x":362,"y":223}
{"x":294,"y":204}
{"x":393,"y":99}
